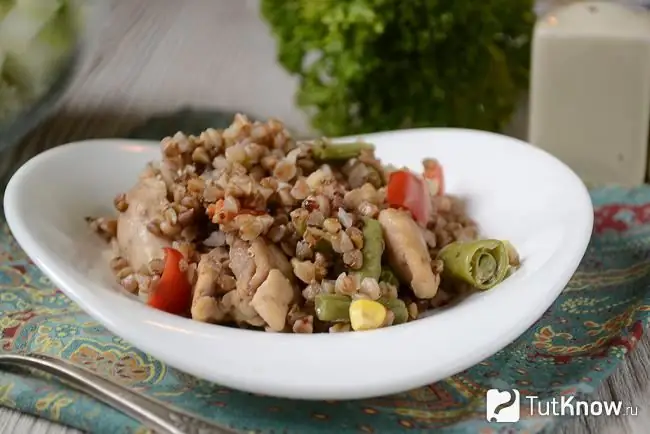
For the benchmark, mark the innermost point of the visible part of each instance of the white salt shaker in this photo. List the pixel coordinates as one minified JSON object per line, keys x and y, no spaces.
{"x":590,"y":89}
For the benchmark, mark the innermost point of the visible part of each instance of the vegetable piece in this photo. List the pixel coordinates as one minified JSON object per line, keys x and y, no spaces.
{"x":387,"y":275}
{"x":483,"y":263}
{"x":406,"y":190}
{"x":333,"y":308}
{"x":373,"y":249}
{"x":434,"y":177}
{"x":513,"y":256}
{"x":366,"y":315}
{"x":173,"y":292}
{"x":398,"y":307}
{"x":325,"y":151}
{"x":336,"y":308}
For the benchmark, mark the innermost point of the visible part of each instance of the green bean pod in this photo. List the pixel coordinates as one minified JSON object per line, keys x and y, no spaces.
{"x":323,"y":150}
{"x":332,"y":307}
{"x":482,"y":264}
{"x":388,"y":276}
{"x":373,"y":249}
{"x":398,"y":307}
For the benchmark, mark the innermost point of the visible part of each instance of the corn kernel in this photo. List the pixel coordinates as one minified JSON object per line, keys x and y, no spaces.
{"x":366,"y":314}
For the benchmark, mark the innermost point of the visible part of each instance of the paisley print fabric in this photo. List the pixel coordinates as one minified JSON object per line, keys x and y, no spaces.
{"x":596,"y":321}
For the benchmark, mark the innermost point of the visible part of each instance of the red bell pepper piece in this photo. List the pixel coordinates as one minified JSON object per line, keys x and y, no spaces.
{"x":173,"y":292}
{"x":434,"y":176}
{"x":406,"y":190}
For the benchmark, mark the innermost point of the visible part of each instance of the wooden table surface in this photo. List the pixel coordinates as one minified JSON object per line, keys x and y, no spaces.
{"x":161,"y":55}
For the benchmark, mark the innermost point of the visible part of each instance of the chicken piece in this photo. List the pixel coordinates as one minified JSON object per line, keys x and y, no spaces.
{"x":274,"y":255}
{"x":240,"y":310}
{"x":208,"y":309}
{"x":205,"y":306}
{"x":137,"y":244}
{"x":242,"y":265}
{"x":215,"y":263}
{"x":251,"y":263}
{"x":272,"y":300}
{"x":167,"y":173}
{"x":408,"y":253}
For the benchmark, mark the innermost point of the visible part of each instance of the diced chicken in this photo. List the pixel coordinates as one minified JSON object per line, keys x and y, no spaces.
{"x":263,"y":263}
{"x":137,"y":244}
{"x":275,"y":256}
{"x":167,"y":173}
{"x":407,"y":252}
{"x":242,"y":265}
{"x":208,"y":309}
{"x":214,"y":266}
{"x":240,"y":310}
{"x":272,"y":299}
{"x":251,"y":263}
{"x":209,"y":284}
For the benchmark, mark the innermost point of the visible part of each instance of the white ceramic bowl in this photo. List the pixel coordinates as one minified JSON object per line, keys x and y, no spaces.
{"x":514,"y":191}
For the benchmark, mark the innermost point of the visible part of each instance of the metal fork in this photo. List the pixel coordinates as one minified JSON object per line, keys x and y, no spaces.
{"x":154,"y":414}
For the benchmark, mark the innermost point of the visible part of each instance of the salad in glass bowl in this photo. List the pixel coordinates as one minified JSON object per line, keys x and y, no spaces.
{"x":40,"y":42}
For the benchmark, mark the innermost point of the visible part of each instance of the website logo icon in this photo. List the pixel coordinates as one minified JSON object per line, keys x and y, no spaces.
{"x":502,"y":406}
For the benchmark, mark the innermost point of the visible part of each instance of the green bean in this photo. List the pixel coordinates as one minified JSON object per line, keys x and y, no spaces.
{"x":373,"y":249}
{"x":482,"y":264}
{"x":333,"y":308}
{"x":325,"y":151}
{"x":513,"y":256}
{"x":398,"y":307}
{"x":388,"y":276}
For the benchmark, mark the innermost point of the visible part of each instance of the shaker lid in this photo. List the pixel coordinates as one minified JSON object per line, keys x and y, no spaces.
{"x":624,"y":19}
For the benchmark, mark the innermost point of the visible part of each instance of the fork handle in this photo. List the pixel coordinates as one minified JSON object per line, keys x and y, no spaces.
{"x":150,"y":412}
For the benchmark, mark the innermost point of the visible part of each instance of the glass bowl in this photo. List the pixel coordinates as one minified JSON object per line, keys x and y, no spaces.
{"x":35,"y":73}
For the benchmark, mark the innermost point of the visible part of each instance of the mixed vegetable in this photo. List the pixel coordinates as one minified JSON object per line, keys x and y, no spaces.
{"x":296,"y":236}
